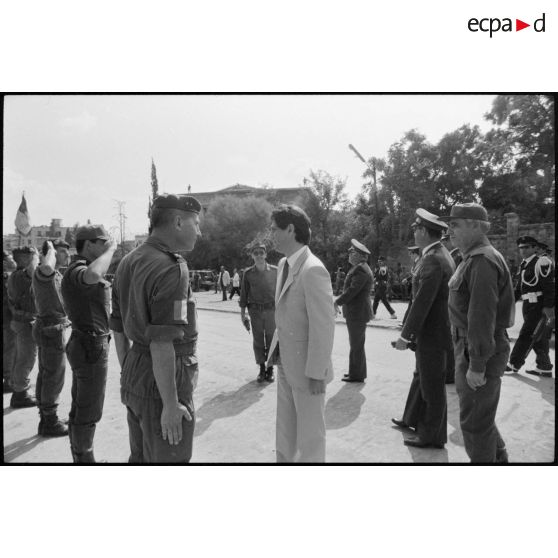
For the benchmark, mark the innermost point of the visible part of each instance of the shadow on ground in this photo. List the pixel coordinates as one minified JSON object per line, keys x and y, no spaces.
{"x":14,"y":450}
{"x":227,"y":404}
{"x":344,"y":407}
{"x":544,"y":385}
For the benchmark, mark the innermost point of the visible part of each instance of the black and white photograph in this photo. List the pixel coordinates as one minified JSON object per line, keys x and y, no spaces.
{"x":279,"y":278}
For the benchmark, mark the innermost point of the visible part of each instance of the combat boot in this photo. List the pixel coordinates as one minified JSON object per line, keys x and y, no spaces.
{"x":81,"y":440}
{"x":52,"y":427}
{"x":22,"y":399}
{"x":269,"y":374}
{"x":261,"y":375}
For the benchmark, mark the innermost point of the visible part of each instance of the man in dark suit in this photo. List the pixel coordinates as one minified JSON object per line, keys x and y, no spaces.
{"x":428,"y":326}
{"x":357,"y":310}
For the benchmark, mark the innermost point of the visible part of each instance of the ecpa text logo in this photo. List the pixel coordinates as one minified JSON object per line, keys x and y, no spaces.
{"x":494,"y":24}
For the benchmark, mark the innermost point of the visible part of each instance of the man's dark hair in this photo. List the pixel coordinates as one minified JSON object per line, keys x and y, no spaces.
{"x":286,"y":215}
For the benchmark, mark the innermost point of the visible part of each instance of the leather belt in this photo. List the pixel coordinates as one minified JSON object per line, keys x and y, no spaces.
{"x":526,"y":295}
{"x":180,"y":349}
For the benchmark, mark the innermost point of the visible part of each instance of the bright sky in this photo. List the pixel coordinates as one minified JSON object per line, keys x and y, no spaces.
{"x":75,"y":155}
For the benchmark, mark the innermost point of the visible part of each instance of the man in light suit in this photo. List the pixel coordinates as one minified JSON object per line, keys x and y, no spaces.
{"x":305,"y":325}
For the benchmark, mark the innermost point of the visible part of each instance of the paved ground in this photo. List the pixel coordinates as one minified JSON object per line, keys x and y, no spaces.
{"x":236,"y":415}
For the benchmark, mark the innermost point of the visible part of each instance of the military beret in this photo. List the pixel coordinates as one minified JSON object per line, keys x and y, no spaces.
{"x":527,"y":240}
{"x":429,"y":220}
{"x":359,"y":247}
{"x":91,"y":232}
{"x":183,"y":203}
{"x":467,"y":211}
{"x":59,"y":243}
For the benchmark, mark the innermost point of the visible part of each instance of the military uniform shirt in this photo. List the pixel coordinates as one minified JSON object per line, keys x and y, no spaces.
{"x":20,"y":296}
{"x":258,"y":287}
{"x":481,"y":301}
{"x":48,"y":296}
{"x":88,"y":306}
{"x":152,"y":299}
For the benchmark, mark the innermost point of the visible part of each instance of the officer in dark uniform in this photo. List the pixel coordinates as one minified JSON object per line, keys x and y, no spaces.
{"x":257,"y":293}
{"x":427,"y":325}
{"x":86,"y":297}
{"x":49,"y":331}
{"x":20,"y":296}
{"x":153,"y":307}
{"x":382,"y":282}
{"x":535,"y":286}
{"x":357,"y":310}
{"x":8,"y":336}
{"x":481,"y":308}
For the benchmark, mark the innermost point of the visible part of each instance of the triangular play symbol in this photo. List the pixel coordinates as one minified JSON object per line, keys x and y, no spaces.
{"x":519,"y":25}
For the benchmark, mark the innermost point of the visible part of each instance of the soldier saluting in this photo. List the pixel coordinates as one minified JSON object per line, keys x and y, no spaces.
{"x":535,"y":287}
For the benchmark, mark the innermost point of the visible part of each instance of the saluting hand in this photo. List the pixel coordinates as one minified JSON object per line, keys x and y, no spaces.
{"x":475,"y":379}
{"x":171,"y":422}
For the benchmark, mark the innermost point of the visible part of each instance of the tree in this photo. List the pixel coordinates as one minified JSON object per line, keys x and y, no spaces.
{"x":519,"y":157}
{"x":229,"y":225}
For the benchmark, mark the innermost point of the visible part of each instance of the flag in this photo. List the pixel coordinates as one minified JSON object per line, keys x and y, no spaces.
{"x":22,"y":221}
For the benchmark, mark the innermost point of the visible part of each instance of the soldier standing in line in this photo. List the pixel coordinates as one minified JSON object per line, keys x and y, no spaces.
{"x":357,"y":310}
{"x":535,"y":287}
{"x":49,"y":331}
{"x":382,"y":283}
{"x":86,"y":297}
{"x":481,"y":308}
{"x":20,"y":297}
{"x":8,"y":336}
{"x":154,"y":320}
{"x":258,"y":295}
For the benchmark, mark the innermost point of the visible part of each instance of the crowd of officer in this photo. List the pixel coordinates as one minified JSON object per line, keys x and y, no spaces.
{"x":463,"y":300}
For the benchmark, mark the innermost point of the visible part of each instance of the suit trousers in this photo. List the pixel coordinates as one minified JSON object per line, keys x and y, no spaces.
{"x":381,"y":295}
{"x":357,"y":356}
{"x":432,"y":416}
{"x":414,"y":403}
{"x":477,"y":408}
{"x":301,"y":430}
{"x":263,"y":326}
{"x":532,"y":313}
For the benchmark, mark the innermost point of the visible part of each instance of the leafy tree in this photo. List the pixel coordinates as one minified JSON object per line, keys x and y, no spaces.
{"x":228,"y":227}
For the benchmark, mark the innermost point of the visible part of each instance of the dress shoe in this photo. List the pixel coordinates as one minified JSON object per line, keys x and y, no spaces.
{"x":416,"y":442}
{"x":539,"y":372}
{"x":269,"y":377}
{"x":400,"y":423}
{"x":22,"y":399}
{"x":351,"y":380}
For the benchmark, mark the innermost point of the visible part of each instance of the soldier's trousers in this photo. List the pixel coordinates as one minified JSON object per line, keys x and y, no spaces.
{"x":26,"y":355}
{"x":477,"y":408}
{"x":381,"y":295}
{"x":8,"y":351}
{"x":51,"y":342}
{"x":263,"y":326}
{"x":532,"y":313}
{"x":357,"y":356}
{"x":144,"y":408}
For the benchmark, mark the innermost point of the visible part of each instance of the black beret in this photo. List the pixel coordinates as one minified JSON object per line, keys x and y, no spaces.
{"x":529,"y":240}
{"x":183,"y":203}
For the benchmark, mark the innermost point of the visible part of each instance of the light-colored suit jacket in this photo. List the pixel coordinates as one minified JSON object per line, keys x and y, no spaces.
{"x":305,"y":321}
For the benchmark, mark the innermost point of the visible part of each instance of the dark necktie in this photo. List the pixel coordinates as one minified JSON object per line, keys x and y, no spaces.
{"x":285,"y":274}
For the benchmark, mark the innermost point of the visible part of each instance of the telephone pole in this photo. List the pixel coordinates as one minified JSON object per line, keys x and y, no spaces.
{"x":121,"y":216}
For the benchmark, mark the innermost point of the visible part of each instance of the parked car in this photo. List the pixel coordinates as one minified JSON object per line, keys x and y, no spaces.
{"x":206,"y":281}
